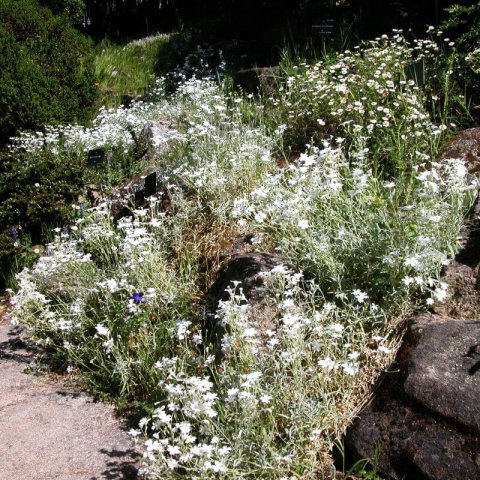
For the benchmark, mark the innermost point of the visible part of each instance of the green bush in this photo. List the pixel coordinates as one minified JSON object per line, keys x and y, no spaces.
{"x":35,"y":191}
{"x":45,"y":73}
{"x":75,"y":10}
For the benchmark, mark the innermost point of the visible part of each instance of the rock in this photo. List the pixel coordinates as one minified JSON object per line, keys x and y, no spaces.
{"x":463,"y":274}
{"x":153,"y":139}
{"x":424,"y":422}
{"x":129,"y":98}
{"x":134,"y":193}
{"x":466,"y":145}
{"x":442,"y":369}
{"x":246,"y":268}
{"x":94,"y":193}
{"x":252,"y":80}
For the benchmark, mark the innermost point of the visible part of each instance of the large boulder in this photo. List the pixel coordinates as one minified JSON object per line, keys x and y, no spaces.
{"x":248,"y":269}
{"x":153,"y":139}
{"x":424,"y":422}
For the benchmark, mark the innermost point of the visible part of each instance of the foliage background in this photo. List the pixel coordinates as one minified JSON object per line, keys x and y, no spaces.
{"x":46,"y":74}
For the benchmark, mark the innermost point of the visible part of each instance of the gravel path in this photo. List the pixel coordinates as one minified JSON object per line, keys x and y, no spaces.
{"x":48,"y":431}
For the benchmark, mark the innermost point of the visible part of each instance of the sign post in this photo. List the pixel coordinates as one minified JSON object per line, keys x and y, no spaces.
{"x":95,"y":157}
{"x":324,"y":28}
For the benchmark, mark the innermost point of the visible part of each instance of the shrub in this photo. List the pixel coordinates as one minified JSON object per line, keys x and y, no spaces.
{"x":45,"y":73}
{"x":36,"y":191}
{"x":75,"y":10}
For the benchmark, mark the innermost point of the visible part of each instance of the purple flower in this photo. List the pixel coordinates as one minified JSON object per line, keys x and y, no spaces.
{"x":137,"y":297}
{"x":14,"y":233}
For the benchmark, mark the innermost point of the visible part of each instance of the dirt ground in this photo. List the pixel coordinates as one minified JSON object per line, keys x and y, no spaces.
{"x":49,"y":431}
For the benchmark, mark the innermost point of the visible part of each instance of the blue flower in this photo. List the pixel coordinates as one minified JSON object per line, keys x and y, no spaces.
{"x":14,"y":232}
{"x":137,"y":297}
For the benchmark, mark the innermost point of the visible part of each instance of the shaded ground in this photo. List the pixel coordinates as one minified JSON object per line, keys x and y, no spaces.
{"x":48,"y":431}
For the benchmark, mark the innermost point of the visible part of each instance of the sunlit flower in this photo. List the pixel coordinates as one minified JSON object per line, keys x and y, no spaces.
{"x":136,"y":297}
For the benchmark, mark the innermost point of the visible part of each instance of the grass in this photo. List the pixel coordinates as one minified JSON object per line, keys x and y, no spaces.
{"x":365,"y":217}
{"x":127,"y":71}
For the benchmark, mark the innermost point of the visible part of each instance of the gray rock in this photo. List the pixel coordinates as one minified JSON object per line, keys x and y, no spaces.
{"x":153,"y":139}
{"x":246,"y":268}
{"x":444,"y":369}
{"x":424,"y":420}
{"x":134,"y":193}
{"x":410,"y":445}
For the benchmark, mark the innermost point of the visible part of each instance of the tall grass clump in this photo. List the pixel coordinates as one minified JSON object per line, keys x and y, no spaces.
{"x":131,"y":69}
{"x":363,"y":218}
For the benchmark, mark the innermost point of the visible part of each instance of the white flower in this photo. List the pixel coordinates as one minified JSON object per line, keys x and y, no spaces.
{"x":217,"y":467}
{"x":279,"y":269}
{"x":411,"y":262}
{"x":359,"y":295}
{"x":260,"y":217}
{"x":336,"y":327}
{"x":173,"y":450}
{"x":250,"y":378}
{"x":303,"y":224}
{"x":440,"y":293}
{"x":288,"y":303}
{"x":350,"y":368}
{"x":108,"y":344}
{"x":327,"y":364}
{"x":232,"y":393}
{"x":223,"y":451}
{"x":182,"y":329}
{"x":112,"y":285}
{"x":265,"y":399}
{"x":102,"y":330}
